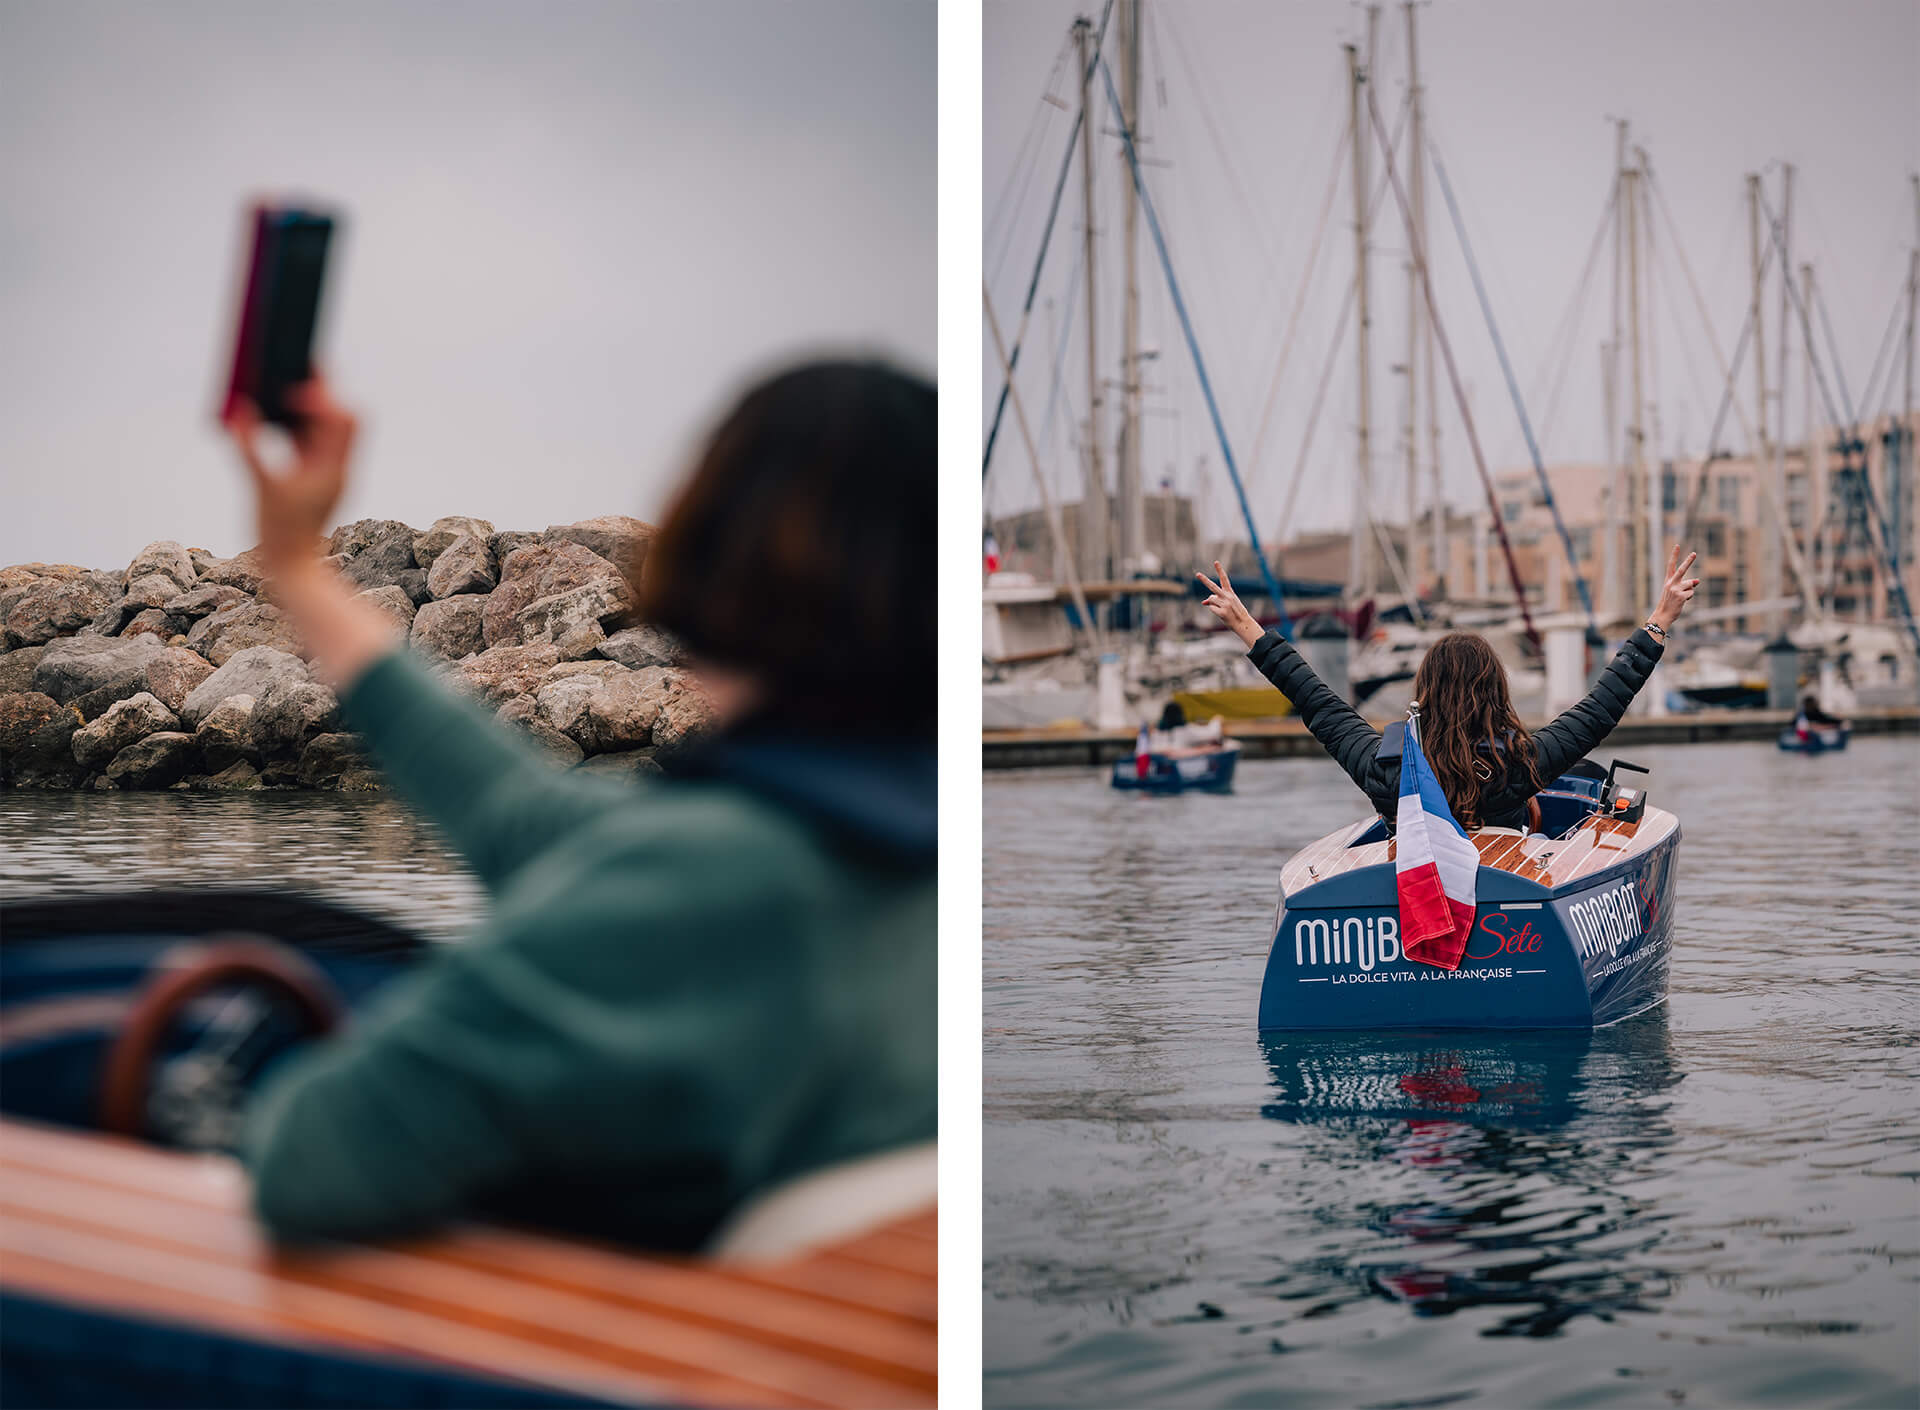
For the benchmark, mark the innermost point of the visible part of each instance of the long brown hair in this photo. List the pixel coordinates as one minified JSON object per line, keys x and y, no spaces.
{"x":802,"y":548}
{"x":1468,"y":729}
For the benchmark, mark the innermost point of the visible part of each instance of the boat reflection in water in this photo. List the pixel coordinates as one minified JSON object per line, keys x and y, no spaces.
{"x":1516,"y":1145}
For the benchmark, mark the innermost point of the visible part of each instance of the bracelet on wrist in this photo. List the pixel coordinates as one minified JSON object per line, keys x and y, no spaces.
{"x":1658,"y":632}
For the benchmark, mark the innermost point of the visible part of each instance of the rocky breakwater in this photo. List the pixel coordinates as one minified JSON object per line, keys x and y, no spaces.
{"x":180,"y":672}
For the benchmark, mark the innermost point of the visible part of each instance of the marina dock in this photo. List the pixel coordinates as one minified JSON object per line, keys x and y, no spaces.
{"x":1079,"y":746}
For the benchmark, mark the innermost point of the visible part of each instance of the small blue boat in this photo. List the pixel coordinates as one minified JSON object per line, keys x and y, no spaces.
{"x":1820,"y":739}
{"x":1179,"y":770}
{"x":1572,"y":927}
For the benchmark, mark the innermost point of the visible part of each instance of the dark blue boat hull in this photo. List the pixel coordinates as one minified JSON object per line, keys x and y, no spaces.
{"x":1211,"y":772}
{"x":1818,"y":741}
{"x":1580,"y":956}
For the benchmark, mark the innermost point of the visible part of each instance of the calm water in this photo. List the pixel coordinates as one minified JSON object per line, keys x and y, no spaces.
{"x":1715,"y":1204}
{"x":362,"y":849}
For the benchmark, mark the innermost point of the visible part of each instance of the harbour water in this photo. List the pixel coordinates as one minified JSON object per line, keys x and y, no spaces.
{"x":1717,"y":1203}
{"x":364,"y":850}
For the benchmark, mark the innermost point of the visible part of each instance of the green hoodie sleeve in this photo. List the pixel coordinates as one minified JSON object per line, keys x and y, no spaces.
{"x":497,"y":799}
{"x":628,"y":1015}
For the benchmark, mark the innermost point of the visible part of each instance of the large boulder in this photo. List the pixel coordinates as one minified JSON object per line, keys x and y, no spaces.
{"x":544,"y":570}
{"x":22,"y":713}
{"x":46,"y":759}
{"x":563,"y":704}
{"x":329,"y":758}
{"x":465,"y":565}
{"x":685,"y":713}
{"x":152,"y":621}
{"x":522,"y":714}
{"x":73,"y":666}
{"x":501,"y":672}
{"x":204,"y":601}
{"x":572,"y":620}
{"x":373,"y":552}
{"x":112,"y":619}
{"x":620,"y":540}
{"x":646,"y":645}
{"x":431,"y":544}
{"x":159,"y":572}
{"x":413,"y":582}
{"x":450,"y":628}
{"x":175,"y":674}
{"x":156,"y":761}
{"x":223,"y":635}
{"x":16,"y":668}
{"x":505,"y":543}
{"x":248,"y":672}
{"x":290,"y":712}
{"x":237,"y":777}
{"x":225,"y":736}
{"x":51,"y":607}
{"x":392,"y":603}
{"x":245,"y":571}
{"x":128,"y":721}
{"x":351,"y":540}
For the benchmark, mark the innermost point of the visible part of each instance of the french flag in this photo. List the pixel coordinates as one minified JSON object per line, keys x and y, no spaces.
{"x":1436,"y":866}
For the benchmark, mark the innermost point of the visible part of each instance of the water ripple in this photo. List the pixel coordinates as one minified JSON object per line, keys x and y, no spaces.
{"x":1716,"y":1203}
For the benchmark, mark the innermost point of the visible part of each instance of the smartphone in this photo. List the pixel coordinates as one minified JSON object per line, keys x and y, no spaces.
{"x":279,"y":308}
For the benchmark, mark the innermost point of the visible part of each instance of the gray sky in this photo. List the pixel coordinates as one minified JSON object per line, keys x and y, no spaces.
{"x":573,"y":230}
{"x":1245,"y":105}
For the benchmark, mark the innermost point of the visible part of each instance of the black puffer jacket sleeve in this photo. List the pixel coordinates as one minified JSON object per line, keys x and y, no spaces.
{"x":1353,"y":743}
{"x":1584,"y":725}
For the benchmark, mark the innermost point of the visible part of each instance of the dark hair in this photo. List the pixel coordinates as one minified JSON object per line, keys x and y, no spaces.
{"x":802,"y":548}
{"x":1466,"y":713}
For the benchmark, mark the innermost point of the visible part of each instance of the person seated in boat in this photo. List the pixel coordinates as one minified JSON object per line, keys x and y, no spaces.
{"x":1174,"y":732}
{"x":1812,"y":717}
{"x":1487,"y":763}
{"x":688,"y":988}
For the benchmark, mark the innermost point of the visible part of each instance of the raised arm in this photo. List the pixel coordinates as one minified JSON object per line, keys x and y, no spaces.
{"x":1351,"y":741}
{"x":497,"y":799}
{"x":1582,"y":726}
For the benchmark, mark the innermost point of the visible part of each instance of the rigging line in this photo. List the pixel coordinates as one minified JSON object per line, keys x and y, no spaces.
{"x":1727,"y":400}
{"x":1040,"y":261}
{"x":1088,"y":622}
{"x":1563,"y":337}
{"x":1193,"y":347}
{"x":1861,"y":482}
{"x":1057,"y":378}
{"x":1256,"y":457}
{"x":1026,"y":158}
{"x":1833,"y":348}
{"x":1419,"y":254}
{"x":1319,"y":400}
{"x":1706,"y":319}
{"x":1513,"y":386}
{"x":1339,"y":336}
{"x":1886,"y":341}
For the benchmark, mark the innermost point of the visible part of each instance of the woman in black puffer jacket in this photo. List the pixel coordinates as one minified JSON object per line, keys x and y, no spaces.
{"x":1486,"y":762}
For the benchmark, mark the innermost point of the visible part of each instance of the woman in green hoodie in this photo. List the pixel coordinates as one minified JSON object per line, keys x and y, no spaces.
{"x":687,"y":989}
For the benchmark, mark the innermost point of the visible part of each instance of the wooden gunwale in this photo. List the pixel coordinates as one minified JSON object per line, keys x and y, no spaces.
{"x":106,"y":1223}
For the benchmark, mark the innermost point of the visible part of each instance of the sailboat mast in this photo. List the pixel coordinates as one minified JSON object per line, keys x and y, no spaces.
{"x":1094,"y":515}
{"x":1417,"y":164}
{"x":1611,"y":558}
{"x":1132,"y":516}
{"x":1420,"y":353}
{"x":1636,"y":428}
{"x":1360,"y":576}
{"x":1653,"y":477}
{"x":1777,"y":467}
{"x":1763,"y":451}
{"x":1816,"y":469}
